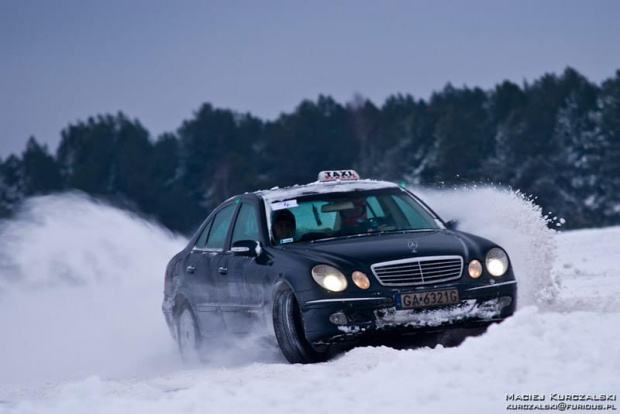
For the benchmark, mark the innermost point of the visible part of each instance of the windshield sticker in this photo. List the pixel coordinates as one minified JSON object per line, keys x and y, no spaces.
{"x":289,"y":240}
{"x":281,"y":205}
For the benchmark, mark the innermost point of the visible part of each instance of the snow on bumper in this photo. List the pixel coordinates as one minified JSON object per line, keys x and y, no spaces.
{"x":468,"y":309}
{"x":357,"y":318}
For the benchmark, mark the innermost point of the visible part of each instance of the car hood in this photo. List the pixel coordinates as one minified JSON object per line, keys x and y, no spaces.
{"x":369,"y":249}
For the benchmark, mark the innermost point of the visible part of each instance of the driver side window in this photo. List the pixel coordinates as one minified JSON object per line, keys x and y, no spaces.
{"x":246,"y":226}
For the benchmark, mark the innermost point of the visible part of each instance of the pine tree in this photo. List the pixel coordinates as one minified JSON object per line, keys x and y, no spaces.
{"x":11,"y":184}
{"x":506,"y":105}
{"x":41,"y":173}
{"x":577,"y":157}
{"x":610,"y":169}
{"x":317,"y":136}
{"x":462,"y":135}
{"x":218,"y":151}
{"x":110,"y":156}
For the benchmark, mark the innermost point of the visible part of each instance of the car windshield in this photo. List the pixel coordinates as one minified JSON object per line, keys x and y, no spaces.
{"x":329,"y":215}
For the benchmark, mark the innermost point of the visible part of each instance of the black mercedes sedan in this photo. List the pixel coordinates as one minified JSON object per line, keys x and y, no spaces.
{"x":332,"y":263}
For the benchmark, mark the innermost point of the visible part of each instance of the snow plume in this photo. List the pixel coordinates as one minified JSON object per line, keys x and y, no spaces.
{"x":516,"y":223}
{"x":80,"y":291}
{"x":74,"y":240}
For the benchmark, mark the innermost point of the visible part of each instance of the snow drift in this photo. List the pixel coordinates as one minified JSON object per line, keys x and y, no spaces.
{"x":554,"y":354}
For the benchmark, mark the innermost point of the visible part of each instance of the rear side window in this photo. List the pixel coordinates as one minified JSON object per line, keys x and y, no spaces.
{"x":246,"y":226}
{"x":219,"y":230}
{"x":202,"y":239}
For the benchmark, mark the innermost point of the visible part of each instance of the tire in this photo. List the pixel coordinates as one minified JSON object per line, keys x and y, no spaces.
{"x":188,"y":335}
{"x":289,"y":330}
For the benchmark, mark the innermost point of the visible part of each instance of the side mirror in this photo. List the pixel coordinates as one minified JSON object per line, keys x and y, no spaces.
{"x":452,"y":224}
{"x":249,"y":248}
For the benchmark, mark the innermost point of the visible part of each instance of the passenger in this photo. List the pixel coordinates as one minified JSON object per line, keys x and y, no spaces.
{"x":284,"y":226}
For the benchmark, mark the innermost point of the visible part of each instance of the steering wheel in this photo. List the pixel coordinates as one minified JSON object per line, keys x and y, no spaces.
{"x":380,"y":224}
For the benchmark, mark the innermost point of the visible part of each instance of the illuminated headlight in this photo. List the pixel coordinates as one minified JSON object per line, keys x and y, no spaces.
{"x":329,"y":278}
{"x":497,"y":262}
{"x":474,"y":269}
{"x":360,"y":279}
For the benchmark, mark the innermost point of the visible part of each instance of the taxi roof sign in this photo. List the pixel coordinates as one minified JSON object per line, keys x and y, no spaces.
{"x":338,"y":175}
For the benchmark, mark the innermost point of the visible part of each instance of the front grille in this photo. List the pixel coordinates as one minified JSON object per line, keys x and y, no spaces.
{"x":418,"y":271}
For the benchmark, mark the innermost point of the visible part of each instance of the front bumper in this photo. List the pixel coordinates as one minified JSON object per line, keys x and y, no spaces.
{"x":365,"y":317}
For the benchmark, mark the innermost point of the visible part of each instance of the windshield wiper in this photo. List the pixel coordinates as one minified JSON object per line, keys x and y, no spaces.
{"x":344,"y":236}
{"x":372,"y":233}
{"x":407,"y":231}
{"x":315,"y":211}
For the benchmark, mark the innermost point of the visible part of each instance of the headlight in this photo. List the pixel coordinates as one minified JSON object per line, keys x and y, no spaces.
{"x":329,"y":278}
{"x":360,"y":279}
{"x":474,"y":269}
{"x":497,"y":262}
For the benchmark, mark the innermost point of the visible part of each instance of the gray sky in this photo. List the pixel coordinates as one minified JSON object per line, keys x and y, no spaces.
{"x":64,"y":60}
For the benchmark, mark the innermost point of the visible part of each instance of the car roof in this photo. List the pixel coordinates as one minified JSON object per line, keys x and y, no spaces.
{"x":319,"y":187}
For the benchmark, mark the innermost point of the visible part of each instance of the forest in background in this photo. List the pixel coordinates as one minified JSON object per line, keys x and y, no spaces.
{"x":556,"y":138}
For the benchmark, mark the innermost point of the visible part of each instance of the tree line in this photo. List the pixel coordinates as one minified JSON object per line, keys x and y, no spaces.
{"x":557,"y":138}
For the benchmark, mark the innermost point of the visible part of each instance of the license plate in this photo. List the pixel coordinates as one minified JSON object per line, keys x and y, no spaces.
{"x":424,"y":299}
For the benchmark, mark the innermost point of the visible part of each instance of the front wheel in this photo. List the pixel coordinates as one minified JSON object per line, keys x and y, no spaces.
{"x":188,"y":335}
{"x":289,"y":330}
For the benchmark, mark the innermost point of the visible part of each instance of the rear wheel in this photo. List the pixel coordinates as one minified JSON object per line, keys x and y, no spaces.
{"x":289,"y":330}
{"x":188,"y":335}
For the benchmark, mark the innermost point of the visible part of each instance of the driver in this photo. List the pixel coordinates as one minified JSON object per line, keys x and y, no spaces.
{"x":283,"y":226}
{"x":354,"y":219}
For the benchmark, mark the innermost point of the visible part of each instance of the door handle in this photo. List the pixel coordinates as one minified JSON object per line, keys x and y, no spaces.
{"x":222,"y":270}
{"x":191,"y":269}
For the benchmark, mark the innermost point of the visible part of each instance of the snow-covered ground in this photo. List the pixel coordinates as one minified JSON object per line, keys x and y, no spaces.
{"x":81,"y":329}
